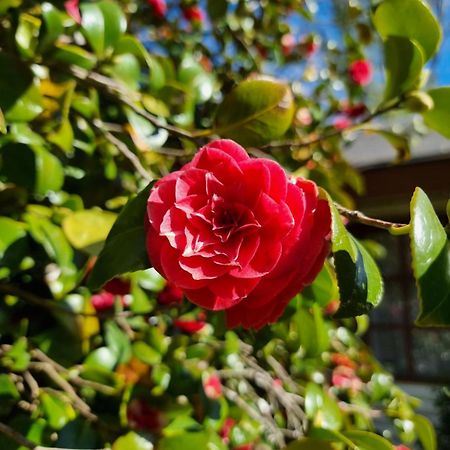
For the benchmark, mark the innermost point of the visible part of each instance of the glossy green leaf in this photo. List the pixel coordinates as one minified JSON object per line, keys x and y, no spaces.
{"x":132,"y":441}
{"x":331,"y":435}
{"x":102,"y":23}
{"x":87,"y":230}
{"x":438,"y":118}
{"x":324,"y":288}
{"x":101,"y":358}
{"x":118,"y":342}
{"x":313,"y":334}
{"x":53,"y":26}
{"x":20,"y":99}
{"x":17,"y":357}
{"x":430,"y":261}
{"x":192,"y":441}
{"x":52,"y":238}
{"x":57,"y":410}
{"x":32,"y":167}
{"x":412,"y":19}
{"x":2,"y":122}
{"x":146,"y":353}
{"x":126,"y":68}
{"x":255,"y":112}
{"x":192,"y":74}
{"x":124,"y":249}
{"x":63,"y":137}
{"x":359,"y":279}
{"x":403,"y":61}
{"x":27,"y":34}
{"x":72,"y":54}
{"x":321,"y":409}
{"x":10,"y":232}
{"x":426,"y":432}
{"x":368,"y":441}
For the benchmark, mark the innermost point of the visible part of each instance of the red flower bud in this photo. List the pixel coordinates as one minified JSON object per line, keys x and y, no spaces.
{"x":189,"y":326}
{"x":102,"y":301}
{"x":212,"y":387}
{"x":71,"y":7}
{"x":361,"y":72}
{"x":342,"y":122}
{"x":159,"y":8}
{"x":287,"y":44}
{"x":170,"y":295}
{"x":194,"y":14}
{"x":142,"y":416}
{"x":225,"y":431}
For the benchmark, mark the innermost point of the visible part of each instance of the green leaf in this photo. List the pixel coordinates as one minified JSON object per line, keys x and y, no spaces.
{"x":359,"y":279}
{"x":331,"y":435}
{"x":62,"y":137}
{"x":87,"y":230}
{"x":126,"y":68}
{"x":412,"y":19}
{"x":73,"y":55}
{"x":118,"y":342}
{"x":430,"y":262}
{"x":368,"y":441}
{"x":426,"y":432}
{"x":192,"y":441}
{"x":20,"y":99}
{"x":321,"y":409}
{"x":101,"y":358}
{"x":309,"y":444}
{"x":52,"y":238}
{"x":125,"y":249}
{"x":192,"y":74}
{"x":2,"y":123}
{"x":132,"y":441}
{"x":10,"y":232}
{"x":255,"y":112}
{"x":53,"y":25}
{"x":57,"y":410}
{"x":217,"y":9}
{"x":438,"y":117}
{"x":27,"y":34}
{"x":7,"y":388}
{"x":102,"y":23}
{"x":324,"y":288}
{"x":17,"y":357}
{"x":312,"y":331}
{"x":403,"y":61}
{"x":146,"y":353}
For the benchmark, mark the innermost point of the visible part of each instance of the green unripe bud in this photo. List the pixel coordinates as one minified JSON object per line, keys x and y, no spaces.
{"x":418,"y":102}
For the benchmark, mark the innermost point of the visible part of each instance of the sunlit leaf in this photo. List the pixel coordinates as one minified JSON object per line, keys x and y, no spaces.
{"x":438,"y":117}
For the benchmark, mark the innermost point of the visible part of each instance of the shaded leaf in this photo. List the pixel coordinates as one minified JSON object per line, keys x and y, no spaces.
{"x":426,"y":432}
{"x":124,"y":249}
{"x":255,"y":112}
{"x":438,"y":117}
{"x":403,"y":61}
{"x":368,"y":441}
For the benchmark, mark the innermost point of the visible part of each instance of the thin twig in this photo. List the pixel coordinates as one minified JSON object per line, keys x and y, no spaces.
{"x":360,"y":217}
{"x":123,"y":148}
{"x":118,"y":92}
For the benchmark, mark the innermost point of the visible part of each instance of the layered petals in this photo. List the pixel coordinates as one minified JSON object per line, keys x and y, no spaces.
{"x":236,"y":233}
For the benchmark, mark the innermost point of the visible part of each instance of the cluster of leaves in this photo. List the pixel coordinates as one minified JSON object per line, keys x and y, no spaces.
{"x":90,"y":116}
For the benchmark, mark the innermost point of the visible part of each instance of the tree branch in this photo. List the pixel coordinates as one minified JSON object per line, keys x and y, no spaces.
{"x":360,"y":217}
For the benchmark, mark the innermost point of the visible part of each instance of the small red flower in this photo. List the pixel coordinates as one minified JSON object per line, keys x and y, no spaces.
{"x":225,"y":431}
{"x":249,"y":446}
{"x":142,"y":416}
{"x":344,"y":377}
{"x":159,"y":8}
{"x":170,"y":295}
{"x":311,"y":48}
{"x":102,"y":301}
{"x":361,"y":72}
{"x":342,"y":122}
{"x":189,"y":326}
{"x":194,"y":14}
{"x":287,"y":44}
{"x":401,"y":447}
{"x":71,"y":7}
{"x":353,"y":111}
{"x":212,"y":387}
{"x":118,"y":286}
{"x":332,"y":307}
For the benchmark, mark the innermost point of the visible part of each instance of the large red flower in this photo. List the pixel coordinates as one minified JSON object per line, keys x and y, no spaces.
{"x":236,"y":233}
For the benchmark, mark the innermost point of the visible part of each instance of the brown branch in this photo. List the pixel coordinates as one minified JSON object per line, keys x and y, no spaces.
{"x":123,"y":148}
{"x":120,"y":93}
{"x":360,"y":217}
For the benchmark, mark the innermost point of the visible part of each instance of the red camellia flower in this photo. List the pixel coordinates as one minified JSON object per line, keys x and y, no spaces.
{"x":361,"y":72}
{"x":225,"y":431}
{"x":194,"y":14}
{"x":159,"y":7}
{"x":236,"y":233}
{"x":401,"y":447}
{"x":345,"y":377}
{"x":212,"y":386}
{"x":72,"y":8}
{"x":170,"y":295}
{"x":342,"y":122}
{"x":105,"y":299}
